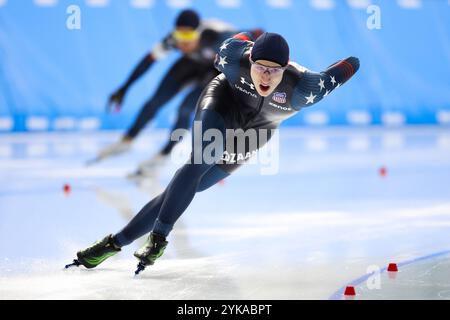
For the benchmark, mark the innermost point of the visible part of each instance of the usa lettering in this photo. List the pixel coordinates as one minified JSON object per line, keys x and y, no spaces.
{"x":237,"y":157}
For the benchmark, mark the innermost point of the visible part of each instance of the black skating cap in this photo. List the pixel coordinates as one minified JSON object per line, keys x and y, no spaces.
{"x":188,"y":18}
{"x":271,"y":47}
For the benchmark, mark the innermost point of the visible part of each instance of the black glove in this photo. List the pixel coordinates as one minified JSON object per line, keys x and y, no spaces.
{"x":115,"y":100}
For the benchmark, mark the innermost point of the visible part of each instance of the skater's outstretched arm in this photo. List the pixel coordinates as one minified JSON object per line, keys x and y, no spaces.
{"x":314,"y":86}
{"x":142,"y":67}
{"x":343,"y":70}
{"x":158,"y":52}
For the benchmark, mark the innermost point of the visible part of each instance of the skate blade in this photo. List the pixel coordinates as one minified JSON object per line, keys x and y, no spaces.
{"x":75,"y":263}
{"x":135,"y":176}
{"x":142,"y":178}
{"x":93,"y":161}
{"x":140,"y":267}
{"x":141,"y":181}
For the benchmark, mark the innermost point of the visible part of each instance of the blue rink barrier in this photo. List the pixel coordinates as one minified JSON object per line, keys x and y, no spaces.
{"x":56,"y":78}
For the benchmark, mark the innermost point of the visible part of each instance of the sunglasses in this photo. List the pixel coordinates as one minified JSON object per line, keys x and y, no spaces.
{"x":271,"y":70}
{"x":186,"y":35}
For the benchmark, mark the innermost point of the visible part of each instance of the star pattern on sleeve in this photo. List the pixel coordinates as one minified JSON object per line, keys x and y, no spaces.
{"x":224,"y":46}
{"x":333,"y":80}
{"x":312,"y":86}
{"x":321,"y":84}
{"x":222,"y":61}
{"x":310,"y":98}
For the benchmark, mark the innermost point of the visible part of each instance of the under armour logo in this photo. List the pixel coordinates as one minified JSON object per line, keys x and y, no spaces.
{"x":251,"y":85}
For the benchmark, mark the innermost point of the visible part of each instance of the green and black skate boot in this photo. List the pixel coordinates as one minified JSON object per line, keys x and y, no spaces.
{"x":152,"y":250}
{"x":96,"y":254}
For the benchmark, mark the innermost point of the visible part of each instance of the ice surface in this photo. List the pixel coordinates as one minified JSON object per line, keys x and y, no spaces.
{"x":300,"y":234}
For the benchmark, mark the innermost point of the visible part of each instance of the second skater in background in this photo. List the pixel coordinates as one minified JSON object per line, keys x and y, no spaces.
{"x":198,"y":41}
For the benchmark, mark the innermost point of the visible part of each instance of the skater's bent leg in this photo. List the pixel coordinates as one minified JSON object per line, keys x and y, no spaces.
{"x":141,"y":224}
{"x":166,"y":90}
{"x":183,"y":118}
{"x":178,"y":195}
{"x":181,"y":190}
{"x":179,"y":75}
{"x":144,"y":221}
{"x":210,"y":178}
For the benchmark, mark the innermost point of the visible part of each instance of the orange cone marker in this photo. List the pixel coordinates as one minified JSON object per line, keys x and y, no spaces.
{"x":67,"y":189}
{"x":350,"y":291}
{"x":392,"y":267}
{"x":383,"y":172}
